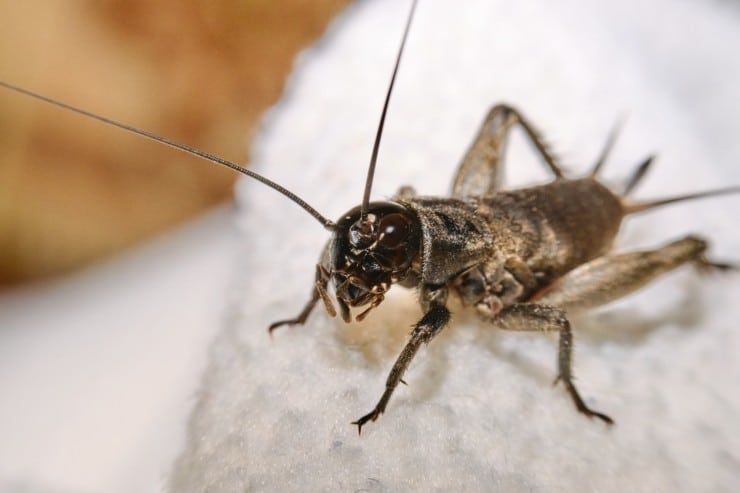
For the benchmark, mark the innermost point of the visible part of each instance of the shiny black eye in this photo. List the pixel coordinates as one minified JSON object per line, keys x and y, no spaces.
{"x":394,"y":228}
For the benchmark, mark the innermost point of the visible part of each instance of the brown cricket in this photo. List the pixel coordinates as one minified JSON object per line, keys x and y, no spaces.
{"x":521,"y":258}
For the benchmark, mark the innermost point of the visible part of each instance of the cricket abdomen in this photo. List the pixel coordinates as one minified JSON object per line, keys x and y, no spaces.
{"x":555,"y":227}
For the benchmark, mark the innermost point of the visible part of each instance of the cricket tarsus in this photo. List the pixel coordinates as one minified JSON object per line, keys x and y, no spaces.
{"x":578,"y":401}
{"x":300,"y":319}
{"x":328,"y":224}
{"x":319,"y":292}
{"x":583,"y":408}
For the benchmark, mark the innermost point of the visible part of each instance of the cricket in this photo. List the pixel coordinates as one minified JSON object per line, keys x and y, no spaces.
{"x":521,"y":259}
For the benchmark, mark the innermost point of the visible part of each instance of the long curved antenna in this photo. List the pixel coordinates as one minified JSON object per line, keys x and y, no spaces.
{"x":379,"y":134}
{"x":181,"y":147}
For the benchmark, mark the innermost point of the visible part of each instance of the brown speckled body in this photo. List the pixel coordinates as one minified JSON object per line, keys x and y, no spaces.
{"x":554,"y":228}
{"x":550,"y":228}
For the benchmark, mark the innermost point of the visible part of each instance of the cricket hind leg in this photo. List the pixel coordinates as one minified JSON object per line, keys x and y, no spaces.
{"x":611,"y":277}
{"x":543,"y":318}
{"x":479,"y":172}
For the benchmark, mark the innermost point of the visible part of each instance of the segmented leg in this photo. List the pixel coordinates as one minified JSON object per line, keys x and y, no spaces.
{"x":611,"y":277}
{"x":424,"y":331}
{"x":532,"y":317}
{"x":319,"y":291}
{"x":479,"y":171}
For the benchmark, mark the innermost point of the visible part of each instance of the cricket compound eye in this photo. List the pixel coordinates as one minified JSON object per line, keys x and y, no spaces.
{"x":394,"y":229}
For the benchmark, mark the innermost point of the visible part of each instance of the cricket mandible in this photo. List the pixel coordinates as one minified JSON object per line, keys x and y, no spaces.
{"x":521,"y":258}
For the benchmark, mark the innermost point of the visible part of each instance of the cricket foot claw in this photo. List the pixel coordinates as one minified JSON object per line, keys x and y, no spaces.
{"x":372,"y":416}
{"x":594,"y":414}
{"x":706,"y":266}
{"x":580,"y":405}
{"x":603,"y":417}
{"x":280,"y":323}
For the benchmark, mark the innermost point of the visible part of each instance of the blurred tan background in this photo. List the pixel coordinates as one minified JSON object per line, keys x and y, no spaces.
{"x":72,"y":190}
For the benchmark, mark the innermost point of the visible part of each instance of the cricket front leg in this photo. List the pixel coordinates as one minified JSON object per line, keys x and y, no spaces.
{"x":479,"y":172}
{"x":424,"y":331}
{"x":319,"y":291}
{"x":611,"y":277}
{"x":542,"y":318}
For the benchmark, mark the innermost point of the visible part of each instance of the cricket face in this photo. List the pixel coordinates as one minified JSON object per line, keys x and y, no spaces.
{"x":368,"y":256}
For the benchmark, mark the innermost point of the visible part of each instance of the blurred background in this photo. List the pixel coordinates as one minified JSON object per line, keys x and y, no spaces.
{"x":73,"y":191}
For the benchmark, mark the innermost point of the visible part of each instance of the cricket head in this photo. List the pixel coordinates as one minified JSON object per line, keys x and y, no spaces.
{"x":371,"y":250}
{"x":375,"y":243}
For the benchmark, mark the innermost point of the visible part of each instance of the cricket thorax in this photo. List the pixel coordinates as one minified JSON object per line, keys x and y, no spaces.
{"x":454,"y":237}
{"x":368,"y":255}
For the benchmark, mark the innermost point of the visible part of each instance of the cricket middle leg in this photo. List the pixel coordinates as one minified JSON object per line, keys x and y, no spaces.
{"x":542,"y":318}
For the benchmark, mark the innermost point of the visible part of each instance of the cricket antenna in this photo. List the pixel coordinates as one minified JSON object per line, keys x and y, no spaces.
{"x":181,"y":147}
{"x":379,"y":134}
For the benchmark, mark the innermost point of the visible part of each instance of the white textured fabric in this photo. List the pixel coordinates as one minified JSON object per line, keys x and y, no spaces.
{"x":479,"y":413}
